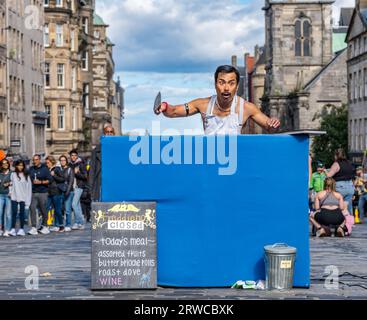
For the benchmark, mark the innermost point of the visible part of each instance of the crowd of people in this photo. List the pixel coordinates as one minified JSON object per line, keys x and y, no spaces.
{"x":60,"y":186}
{"x":336,"y":195}
{"x":61,"y":189}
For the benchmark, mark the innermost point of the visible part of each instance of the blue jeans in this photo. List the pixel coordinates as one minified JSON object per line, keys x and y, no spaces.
{"x":14,"y":210}
{"x":346,"y":189}
{"x":5,"y":211}
{"x":55,"y":201}
{"x":361,"y":202}
{"x":68,"y":203}
{"x":77,"y":208}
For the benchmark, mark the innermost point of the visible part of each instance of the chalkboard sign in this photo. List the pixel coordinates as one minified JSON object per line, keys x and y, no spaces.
{"x":124,"y":245}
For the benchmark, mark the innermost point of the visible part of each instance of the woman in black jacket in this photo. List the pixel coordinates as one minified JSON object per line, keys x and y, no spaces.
{"x":55,"y":194}
{"x":68,"y":174}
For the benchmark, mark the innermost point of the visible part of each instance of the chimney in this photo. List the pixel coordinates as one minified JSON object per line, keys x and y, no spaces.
{"x":257,"y":53}
{"x":234,"y":61}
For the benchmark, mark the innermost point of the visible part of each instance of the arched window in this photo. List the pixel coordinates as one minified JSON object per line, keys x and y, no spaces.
{"x":303,"y":37}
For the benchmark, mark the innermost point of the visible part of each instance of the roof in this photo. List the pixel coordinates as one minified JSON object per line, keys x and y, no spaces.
{"x":312,"y":81}
{"x":97,"y":20}
{"x":362,"y":13}
{"x":339,"y":41}
{"x":345,"y":16}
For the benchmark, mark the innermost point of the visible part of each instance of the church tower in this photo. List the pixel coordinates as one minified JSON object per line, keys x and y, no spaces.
{"x":298,"y":45}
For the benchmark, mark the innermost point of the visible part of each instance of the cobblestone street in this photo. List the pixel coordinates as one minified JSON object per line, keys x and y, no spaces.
{"x":64,"y":266}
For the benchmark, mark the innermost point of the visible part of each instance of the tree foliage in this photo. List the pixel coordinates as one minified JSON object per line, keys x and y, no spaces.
{"x":333,"y":120}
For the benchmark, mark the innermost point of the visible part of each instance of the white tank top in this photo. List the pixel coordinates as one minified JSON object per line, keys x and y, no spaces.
{"x":230,"y":125}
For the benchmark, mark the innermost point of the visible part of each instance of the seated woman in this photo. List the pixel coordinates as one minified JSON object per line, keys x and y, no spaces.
{"x":330,"y":207}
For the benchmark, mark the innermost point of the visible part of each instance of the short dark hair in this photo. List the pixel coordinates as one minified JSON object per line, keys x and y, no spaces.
{"x":37,"y":155}
{"x":227,"y":69}
{"x":73,"y":151}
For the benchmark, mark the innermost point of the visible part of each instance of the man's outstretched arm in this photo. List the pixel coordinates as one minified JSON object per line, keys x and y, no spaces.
{"x":181,"y":110}
{"x":269,"y":124}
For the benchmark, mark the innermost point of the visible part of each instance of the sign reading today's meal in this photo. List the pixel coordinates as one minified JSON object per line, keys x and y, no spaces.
{"x":124,"y":245}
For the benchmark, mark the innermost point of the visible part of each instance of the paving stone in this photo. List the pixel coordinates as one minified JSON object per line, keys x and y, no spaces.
{"x":67,"y":258}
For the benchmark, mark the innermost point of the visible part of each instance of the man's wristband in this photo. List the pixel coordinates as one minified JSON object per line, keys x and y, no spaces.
{"x":166,"y":104}
{"x":187,"y":109}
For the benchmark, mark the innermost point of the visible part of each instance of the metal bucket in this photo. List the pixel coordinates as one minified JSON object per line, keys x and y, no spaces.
{"x":279,"y":263}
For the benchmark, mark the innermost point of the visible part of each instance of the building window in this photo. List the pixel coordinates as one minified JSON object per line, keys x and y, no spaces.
{"x":360,"y":45}
{"x":360,"y":84}
{"x":85,"y":60}
{"x":361,"y":135}
{"x":60,"y":75}
{"x":355,"y":85}
{"x":73,"y":118}
{"x":96,"y":34}
{"x":356,"y":136}
{"x":356,"y":47}
{"x":61,"y":117}
{"x":58,"y":3}
{"x":86,"y":97}
{"x":46,"y":3}
{"x":47,"y":74}
{"x":59,"y":36}
{"x":72,"y":40}
{"x":46,"y":35}
{"x":48,"y":111}
{"x":85,"y":25}
{"x":303,"y":38}
{"x":73,"y":78}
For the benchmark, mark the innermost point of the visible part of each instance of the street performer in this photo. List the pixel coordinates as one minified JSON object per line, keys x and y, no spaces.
{"x":225,"y":112}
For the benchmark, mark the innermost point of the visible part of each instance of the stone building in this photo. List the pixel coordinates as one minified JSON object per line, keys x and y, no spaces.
{"x":68,"y":36}
{"x":79,"y":70}
{"x":106,"y":106}
{"x":3,"y":79}
{"x":303,"y":73}
{"x":357,"y":81}
{"x":25,"y":58}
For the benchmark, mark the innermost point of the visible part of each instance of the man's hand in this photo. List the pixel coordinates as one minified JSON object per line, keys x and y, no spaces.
{"x":162,"y":108}
{"x":36,"y":181}
{"x":273,"y":123}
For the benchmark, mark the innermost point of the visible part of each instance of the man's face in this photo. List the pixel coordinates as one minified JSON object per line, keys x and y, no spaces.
{"x":36,"y":161}
{"x":320,"y":170}
{"x":74,"y":157}
{"x":109,"y":131}
{"x":226,"y":86}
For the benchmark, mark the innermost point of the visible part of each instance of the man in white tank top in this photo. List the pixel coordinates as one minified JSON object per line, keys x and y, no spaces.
{"x":225,"y":112}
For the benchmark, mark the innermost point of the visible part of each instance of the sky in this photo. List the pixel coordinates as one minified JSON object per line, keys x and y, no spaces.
{"x":174,"y":46}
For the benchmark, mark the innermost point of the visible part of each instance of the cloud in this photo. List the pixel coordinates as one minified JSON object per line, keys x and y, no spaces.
{"x":181,"y":36}
{"x":176,"y":88}
{"x":165,"y":44}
